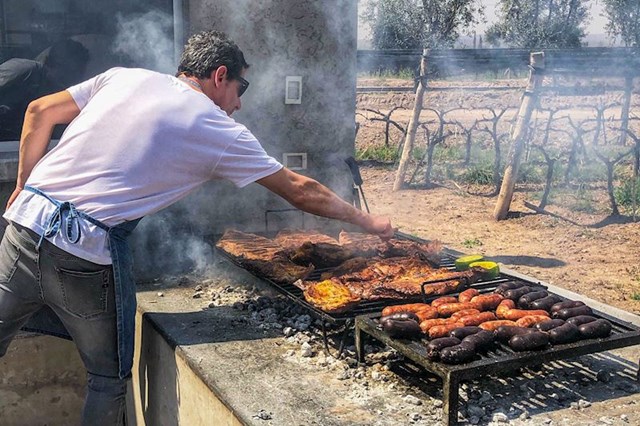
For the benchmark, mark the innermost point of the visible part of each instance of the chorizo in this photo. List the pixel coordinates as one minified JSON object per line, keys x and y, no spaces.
{"x":425,"y":314}
{"x":463,"y":313}
{"x":504,"y":306}
{"x":549,"y":324}
{"x":478,"y":319}
{"x":400,"y":316}
{"x":516,"y":314}
{"x":567,"y":313}
{"x":447,"y":309}
{"x":405,"y":329}
{"x":462,"y":332}
{"x":595,"y":329}
{"x":487,"y":302}
{"x":531,"y":320}
{"x":467,"y":295}
{"x":427,"y":324}
{"x":436,"y":345}
{"x":411,"y":307}
{"x":443,"y":330}
{"x":442,"y":300}
{"x":566,"y":304}
{"x":525,"y":301}
{"x":581,"y":319}
{"x":566,"y":333}
{"x":464,"y":352}
{"x":480,"y":340}
{"x":529,"y":341}
{"x":504,"y":333}
{"x":493,"y":325}
{"x":545,"y":303}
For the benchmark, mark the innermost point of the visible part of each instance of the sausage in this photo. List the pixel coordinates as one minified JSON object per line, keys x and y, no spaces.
{"x":549,"y":324}
{"x":480,"y":340}
{"x":444,"y":299}
{"x":478,"y":319}
{"x":504,"y":306}
{"x":467,"y":295}
{"x":566,"y":304}
{"x":581,"y":319}
{"x":427,"y":324}
{"x":595,"y":329}
{"x":531,"y":320}
{"x":517,"y":293}
{"x":486,"y":302}
{"x":565,"y":333}
{"x":436,"y":345}
{"x":463,"y":313}
{"x":525,"y":301}
{"x":411,"y":307}
{"x":529,"y":341}
{"x":427,"y":313}
{"x":400,"y":316}
{"x":504,"y":333}
{"x":458,"y":354}
{"x":447,"y":309}
{"x":405,"y":329}
{"x":507,"y":286}
{"x":545,"y":303}
{"x":443,"y":330}
{"x":492,"y":325}
{"x":462,"y":332}
{"x":516,"y":314}
{"x":567,"y":313}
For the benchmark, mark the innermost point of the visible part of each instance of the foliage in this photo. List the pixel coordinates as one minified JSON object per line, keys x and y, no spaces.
{"x":381,"y":153}
{"x":530,"y":173}
{"x":480,"y":174}
{"x":623,"y":20}
{"x":627,"y":192}
{"x":401,"y":74}
{"x":413,"y":24}
{"x":535,"y":24}
{"x":471,"y":243}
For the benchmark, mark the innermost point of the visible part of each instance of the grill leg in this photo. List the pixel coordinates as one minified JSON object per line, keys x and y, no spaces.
{"x":359,"y":341}
{"x":450,"y":399}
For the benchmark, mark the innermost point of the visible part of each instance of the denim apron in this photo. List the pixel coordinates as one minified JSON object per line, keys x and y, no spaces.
{"x":65,"y":219}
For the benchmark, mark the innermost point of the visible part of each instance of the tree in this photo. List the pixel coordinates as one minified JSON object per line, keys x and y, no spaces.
{"x":623,"y":20}
{"x":536,"y":24}
{"x":414,"y":24}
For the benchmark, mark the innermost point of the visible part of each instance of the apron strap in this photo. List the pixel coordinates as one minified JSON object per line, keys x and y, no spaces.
{"x":54,"y":222}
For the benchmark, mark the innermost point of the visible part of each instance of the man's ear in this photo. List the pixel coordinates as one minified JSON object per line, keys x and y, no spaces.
{"x":219,"y":74}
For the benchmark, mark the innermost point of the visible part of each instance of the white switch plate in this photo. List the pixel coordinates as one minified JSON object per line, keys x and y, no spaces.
{"x":295,"y":160}
{"x":293,"y":89}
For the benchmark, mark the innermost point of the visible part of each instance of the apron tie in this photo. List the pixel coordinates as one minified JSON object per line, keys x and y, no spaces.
{"x":72,"y":228}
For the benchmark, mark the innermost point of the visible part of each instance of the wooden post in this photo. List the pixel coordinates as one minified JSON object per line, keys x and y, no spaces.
{"x":626,"y":105}
{"x":410,"y":137}
{"x":518,"y":136}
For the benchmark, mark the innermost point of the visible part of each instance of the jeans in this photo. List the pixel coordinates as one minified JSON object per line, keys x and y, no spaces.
{"x":82,"y":295}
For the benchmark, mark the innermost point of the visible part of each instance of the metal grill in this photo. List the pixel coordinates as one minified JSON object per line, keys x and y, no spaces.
{"x":499,"y":359}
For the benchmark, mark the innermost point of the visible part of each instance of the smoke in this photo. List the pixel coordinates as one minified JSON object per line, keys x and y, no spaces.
{"x":146,"y":41}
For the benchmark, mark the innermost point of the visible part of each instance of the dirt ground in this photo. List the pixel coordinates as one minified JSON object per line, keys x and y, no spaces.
{"x":584,"y":252}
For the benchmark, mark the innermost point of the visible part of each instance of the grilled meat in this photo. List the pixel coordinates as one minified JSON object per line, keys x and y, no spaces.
{"x":331,"y":296}
{"x":294,"y":238}
{"x":367,"y":245}
{"x":320,"y":255}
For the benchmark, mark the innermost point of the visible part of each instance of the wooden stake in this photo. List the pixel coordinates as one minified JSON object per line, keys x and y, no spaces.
{"x":410,"y":137}
{"x":518,"y":136}
{"x":626,"y":106}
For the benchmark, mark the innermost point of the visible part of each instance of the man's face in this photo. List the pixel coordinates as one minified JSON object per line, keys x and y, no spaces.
{"x":226,"y":92}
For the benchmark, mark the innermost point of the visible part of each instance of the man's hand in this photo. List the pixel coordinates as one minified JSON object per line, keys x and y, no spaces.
{"x":381,"y":226}
{"x":13,"y":197}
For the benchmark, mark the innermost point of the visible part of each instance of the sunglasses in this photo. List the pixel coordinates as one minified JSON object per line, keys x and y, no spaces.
{"x":244,"y":85}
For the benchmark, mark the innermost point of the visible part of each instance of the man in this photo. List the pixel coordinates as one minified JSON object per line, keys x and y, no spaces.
{"x":23,"y":80}
{"x":138,"y":141}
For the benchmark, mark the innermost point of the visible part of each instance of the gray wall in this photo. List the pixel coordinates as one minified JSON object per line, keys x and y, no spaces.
{"x":312,"y":39}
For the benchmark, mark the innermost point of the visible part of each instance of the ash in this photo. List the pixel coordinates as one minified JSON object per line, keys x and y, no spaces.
{"x":555,"y":393}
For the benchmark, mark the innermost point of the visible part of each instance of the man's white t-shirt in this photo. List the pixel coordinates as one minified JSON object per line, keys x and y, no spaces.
{"x":142,"y":141}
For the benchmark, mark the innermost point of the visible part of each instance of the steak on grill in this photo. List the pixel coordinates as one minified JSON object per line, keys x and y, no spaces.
{"x":294,"y":238}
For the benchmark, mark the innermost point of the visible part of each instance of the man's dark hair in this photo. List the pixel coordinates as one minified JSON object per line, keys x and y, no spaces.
{"x":207,"y":51}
